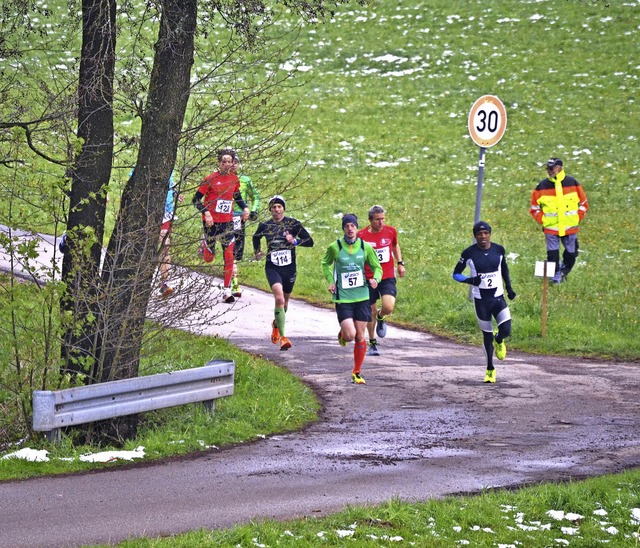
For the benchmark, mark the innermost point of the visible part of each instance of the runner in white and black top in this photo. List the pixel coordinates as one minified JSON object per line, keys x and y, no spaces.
{"x":283,"y":235}
{"x":489,"y":277}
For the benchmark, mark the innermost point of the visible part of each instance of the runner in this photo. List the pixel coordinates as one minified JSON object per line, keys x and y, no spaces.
{"x":283,"y":234}
{"x":173,"y":196}
{"x":214,"y":199}
{"x":251,"y":196}
{"x":343,"y":266}
{"x":384,"y":239}
{"x":488,"y":272}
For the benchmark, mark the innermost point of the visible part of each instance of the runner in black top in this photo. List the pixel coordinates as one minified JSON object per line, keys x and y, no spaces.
{"x":489,"y":270}
{"x":283,"y":235}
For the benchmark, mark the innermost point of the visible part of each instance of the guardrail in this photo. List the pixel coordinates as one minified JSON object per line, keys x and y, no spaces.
{"x":53,"y":410}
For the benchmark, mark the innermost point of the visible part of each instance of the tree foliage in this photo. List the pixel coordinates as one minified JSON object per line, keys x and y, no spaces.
{"x":160,"y":86}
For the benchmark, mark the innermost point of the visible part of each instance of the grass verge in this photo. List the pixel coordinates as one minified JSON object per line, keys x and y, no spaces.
{"x":267,"y":399}
{"x":599,"y":511}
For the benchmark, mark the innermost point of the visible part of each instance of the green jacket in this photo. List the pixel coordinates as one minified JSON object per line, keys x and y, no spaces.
{"x":343,"y":264}
{"x":250,"y":194}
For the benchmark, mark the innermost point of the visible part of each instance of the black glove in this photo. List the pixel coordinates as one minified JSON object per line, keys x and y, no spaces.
{"x":511,"y":294}
{"x":475,"y":280}
{"x":253,"y":216}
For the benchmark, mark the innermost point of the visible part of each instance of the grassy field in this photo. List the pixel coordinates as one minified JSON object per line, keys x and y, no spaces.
{"x":385,"y":121}
{"x":384,"y":94}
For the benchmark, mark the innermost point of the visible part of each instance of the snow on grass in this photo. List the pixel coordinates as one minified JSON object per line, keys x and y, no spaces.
{"x":31,"y":455}
{"x":110,"y":456}
{"x":41,"y":455}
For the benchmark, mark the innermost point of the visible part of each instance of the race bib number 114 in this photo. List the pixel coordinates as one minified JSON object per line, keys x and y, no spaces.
{"x":281,"y":257}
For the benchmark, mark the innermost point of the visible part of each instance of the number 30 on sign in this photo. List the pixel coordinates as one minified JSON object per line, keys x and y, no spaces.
{"x":487,"y":121}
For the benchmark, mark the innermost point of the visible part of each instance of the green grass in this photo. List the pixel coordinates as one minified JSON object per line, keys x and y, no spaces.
{"x":394,"y":83}
{"x":563,"y":71}
{"x":601,"y":507}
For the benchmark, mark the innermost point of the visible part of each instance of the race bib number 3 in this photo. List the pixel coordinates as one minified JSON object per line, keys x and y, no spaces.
{"x":237,"y":222}
{"x":384,"y":255}
{"x":281,"y":257}
{"x":352,"y":279}
{"x":224,"y":206}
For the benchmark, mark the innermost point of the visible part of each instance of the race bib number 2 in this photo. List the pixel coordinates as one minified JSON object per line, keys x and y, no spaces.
{"x":352,"y":279}
{"x":490,"y":280}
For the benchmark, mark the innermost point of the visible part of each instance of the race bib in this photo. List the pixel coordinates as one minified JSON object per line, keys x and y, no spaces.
{"x":237,"y":222}
{"x":384,"y":254}
{"x":224,"y":206}
{"x":281,"y":257}
{"x":352,"y":279}
{"x":490,"y":280}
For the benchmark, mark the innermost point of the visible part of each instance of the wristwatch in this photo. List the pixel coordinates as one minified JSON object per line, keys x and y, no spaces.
{"x":401,"y":263}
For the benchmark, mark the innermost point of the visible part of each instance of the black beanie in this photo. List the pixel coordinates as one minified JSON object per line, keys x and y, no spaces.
{"x":349,"y":218}
{"x":481,"y":225}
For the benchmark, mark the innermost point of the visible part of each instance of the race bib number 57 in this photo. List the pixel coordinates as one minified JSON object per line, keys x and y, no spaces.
{"x":352,"y":279}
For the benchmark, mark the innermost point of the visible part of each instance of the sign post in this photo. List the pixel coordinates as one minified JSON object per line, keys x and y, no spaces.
{"x":487,"y":123}
{"x":545,"y":271}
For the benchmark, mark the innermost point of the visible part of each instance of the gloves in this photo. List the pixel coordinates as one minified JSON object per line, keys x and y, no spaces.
{"x":253,"y":216}
{"x":475,"y":280}
{"x":511,"y":294}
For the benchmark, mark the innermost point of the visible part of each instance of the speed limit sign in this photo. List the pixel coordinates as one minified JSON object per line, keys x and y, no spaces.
{"x":487,"y":121}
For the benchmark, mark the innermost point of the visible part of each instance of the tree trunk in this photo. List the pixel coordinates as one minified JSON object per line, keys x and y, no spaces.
{"x":90,"y":177}
{"x":132,"y":254}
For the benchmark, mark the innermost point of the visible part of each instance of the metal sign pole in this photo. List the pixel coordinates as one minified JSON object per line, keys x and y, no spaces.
{"x":476,"y":217}
{"x":487,"y":122}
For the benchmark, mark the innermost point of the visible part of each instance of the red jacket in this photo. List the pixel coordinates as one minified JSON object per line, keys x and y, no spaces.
{"x":218,"y":191}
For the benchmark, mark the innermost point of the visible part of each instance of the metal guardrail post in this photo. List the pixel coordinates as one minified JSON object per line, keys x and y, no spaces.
{"x":53,"y":410}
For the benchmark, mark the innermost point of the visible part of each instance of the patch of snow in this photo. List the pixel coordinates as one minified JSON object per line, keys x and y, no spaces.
{"x":32,"y":455}
{"x":110,"y":456}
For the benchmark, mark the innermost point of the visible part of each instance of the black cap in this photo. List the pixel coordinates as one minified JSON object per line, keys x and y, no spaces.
{"x":481,"y":225}
{"x":553,"y":162}
{"x":349,"y":218}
